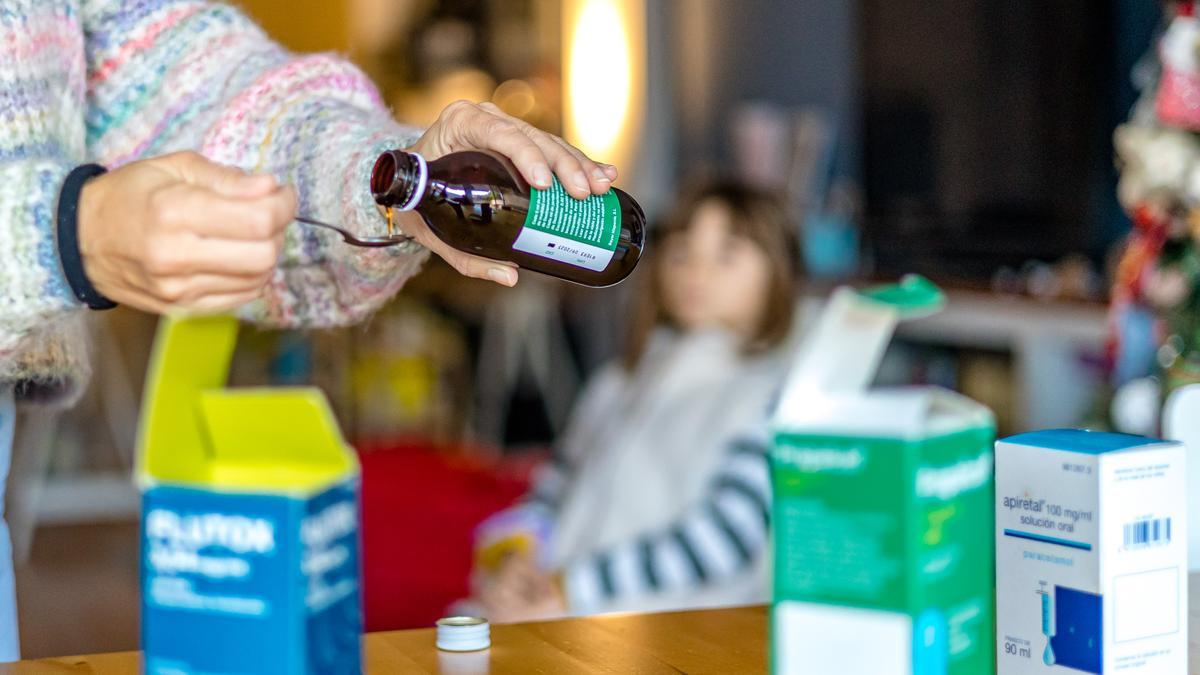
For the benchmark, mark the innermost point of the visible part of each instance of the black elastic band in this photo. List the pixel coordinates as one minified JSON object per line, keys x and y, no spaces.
{"x":68,"y":237}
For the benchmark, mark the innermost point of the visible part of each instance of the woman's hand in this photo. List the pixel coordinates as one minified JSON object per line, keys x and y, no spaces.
{"x":469,"y":126}
{"x":179,"y":232}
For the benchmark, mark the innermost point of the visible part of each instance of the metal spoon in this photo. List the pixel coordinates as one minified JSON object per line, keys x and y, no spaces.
{"x":350,"y":238}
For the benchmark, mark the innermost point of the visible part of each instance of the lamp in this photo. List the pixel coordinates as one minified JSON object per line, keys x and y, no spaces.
{"x":604,"y":58}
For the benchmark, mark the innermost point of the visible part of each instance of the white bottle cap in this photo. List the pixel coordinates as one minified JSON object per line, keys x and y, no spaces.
{"x":463,"y":634}
{"x":422,"y":183}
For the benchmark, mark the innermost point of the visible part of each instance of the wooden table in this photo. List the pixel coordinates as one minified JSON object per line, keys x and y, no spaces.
{"x":715,"y":641}
{"x":725,"y":641}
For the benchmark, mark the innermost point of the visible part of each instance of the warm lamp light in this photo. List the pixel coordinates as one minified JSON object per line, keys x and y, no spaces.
{"x":604,"y":62}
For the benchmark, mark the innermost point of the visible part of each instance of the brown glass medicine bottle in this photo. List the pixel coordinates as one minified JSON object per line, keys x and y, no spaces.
{"x":477,"y":202}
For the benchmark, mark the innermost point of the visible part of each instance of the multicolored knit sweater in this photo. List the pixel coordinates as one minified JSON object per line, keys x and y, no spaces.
{"x":112,"y":81}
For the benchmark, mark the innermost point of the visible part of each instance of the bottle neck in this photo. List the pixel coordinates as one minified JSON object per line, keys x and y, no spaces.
{"x":399,"y":180}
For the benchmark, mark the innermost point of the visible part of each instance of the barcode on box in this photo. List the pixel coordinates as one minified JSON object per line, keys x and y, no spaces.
{"x":1148,"y":532}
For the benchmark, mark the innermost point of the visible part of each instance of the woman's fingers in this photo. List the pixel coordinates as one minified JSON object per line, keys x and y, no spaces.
{"x":570,"y":164}
{"x":588,"y":178}
{"x":534,"y":152}
{"x":503,"y":273}
{"x":600,"y":177}
{"x":218,"y":251}
{"x":206,"y":213}
{"x":226,"y":180}
{"x":213,"y":304}
{"x":476,"y":267}
{"x":191,"y":255}
{"x":501,"y":135}
{"x":193,"y":288}
{"x":566,"y":166}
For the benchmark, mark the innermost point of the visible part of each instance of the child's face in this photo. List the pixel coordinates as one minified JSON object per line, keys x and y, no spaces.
{"x":711,"y":277}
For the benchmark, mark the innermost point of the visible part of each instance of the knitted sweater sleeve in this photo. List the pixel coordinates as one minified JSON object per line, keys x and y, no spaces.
{"x":40,"y":320}
{"x":166,"y":75}
{"x":39,"y":315}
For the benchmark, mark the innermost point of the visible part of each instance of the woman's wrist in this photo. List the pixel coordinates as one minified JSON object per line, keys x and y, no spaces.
{"x":90,"y":198}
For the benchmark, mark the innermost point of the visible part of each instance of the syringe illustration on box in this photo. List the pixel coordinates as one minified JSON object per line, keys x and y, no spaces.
{"x":1048,"y":624}
{"x":1079,"y":647}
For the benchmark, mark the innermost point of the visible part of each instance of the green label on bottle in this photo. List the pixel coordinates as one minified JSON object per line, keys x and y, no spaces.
{"x":580,"y":232}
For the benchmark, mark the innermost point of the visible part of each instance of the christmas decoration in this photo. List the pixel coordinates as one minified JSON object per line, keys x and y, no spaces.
{"x":1157,"y":282}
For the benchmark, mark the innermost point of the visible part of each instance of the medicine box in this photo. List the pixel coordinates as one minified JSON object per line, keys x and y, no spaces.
{"x":882,"y":542}
{"x":1091,"y":554}
{"x":250,"y":519}
{"x":882,"y":509}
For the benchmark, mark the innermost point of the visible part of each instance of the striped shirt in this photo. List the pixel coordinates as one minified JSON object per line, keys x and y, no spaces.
{"x":717,"y":538}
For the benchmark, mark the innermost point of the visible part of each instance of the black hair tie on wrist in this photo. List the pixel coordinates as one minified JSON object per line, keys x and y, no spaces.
{"x":68,"y":237}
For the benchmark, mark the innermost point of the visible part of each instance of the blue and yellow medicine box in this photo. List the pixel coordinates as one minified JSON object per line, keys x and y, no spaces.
{"x":250,"y":552}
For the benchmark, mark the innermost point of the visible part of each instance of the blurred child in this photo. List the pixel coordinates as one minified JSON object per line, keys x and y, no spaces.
{"x":657,"y":499}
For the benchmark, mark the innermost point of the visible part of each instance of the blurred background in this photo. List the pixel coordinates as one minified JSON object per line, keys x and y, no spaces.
{"x":968,"y":140}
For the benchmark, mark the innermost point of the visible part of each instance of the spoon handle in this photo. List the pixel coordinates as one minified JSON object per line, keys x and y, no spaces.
{"x":310,"y":221}
{"x":350,"y":238}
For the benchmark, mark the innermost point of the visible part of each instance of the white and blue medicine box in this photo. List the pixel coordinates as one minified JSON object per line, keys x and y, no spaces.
{"x":250,"y":554}
{"x":1091,"y":554}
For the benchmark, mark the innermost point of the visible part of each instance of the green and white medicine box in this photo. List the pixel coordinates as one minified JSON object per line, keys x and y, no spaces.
{"x":882,"y":513}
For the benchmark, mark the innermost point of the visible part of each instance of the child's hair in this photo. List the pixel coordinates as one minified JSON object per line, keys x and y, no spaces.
{"x":754,"y":214}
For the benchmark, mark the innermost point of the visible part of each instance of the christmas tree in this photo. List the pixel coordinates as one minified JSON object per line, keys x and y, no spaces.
{"x":1155,"y":316}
